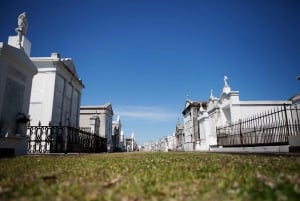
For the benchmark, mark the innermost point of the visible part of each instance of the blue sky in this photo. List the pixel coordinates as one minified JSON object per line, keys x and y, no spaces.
{"x":145,"y":56}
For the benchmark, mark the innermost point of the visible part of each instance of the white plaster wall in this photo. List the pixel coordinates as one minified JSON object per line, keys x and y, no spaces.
{"x":235,"y":113}
{"x":232,"y":109}
{"x":66,"y":115}
{"x":172,"y":142}
{"x":203,"y":128}
{"x":86,"y":122}
{"x":41,"y":102}
{"x":18,"y":143}
{"x":58,"y":100}
{"x":106,"y":129}
{"x":188,"y":132}
{"x":16,"y":75}
{"x":56,"y":93}
{"x":105,"y":120}
{"x":122,"y":141}
{"x":17,"y":71}
{"x":103,"y":125}
{"x":207,"y":131}
{"x":75,"y":108}
{"x":66,"y":102}
{"x":260,"y":149}
{"x":214,"y":121}
{"x":3,"y":75}
{"x":250,"y":109}
{"x":25,"y":43}
{"x":229,"y":109}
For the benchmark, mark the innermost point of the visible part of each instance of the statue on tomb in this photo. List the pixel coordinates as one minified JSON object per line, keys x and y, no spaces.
{"x":22,"y":26}
{"x":211,"y":94}
{"x":225,"y":80}
{"x":226,"y":88}
{"x":188,"y":98}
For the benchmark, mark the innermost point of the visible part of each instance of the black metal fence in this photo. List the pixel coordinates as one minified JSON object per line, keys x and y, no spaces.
{"x":63,"y":139}
{"x":270,"y":128}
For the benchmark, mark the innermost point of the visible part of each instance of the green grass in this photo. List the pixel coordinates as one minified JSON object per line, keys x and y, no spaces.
{"x":150,"y":176}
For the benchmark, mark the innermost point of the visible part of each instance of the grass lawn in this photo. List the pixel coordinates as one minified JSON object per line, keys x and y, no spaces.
{"x":150,"y":176}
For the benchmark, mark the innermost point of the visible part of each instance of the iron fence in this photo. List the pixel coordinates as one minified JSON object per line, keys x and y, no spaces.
{"x":270,"y":128}
{"x":63,"y":139}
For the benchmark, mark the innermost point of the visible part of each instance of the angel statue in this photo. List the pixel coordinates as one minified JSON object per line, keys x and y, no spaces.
{"x":22,"y":26}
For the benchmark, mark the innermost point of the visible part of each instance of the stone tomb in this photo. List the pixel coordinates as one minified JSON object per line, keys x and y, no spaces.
{"x":17,"y":71}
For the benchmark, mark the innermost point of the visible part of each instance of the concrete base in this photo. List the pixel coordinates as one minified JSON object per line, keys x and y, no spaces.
{"x":294,"y":149}
{"x":18,"y":144}
{"x":25,"y":43}
{"x":189,"y":146}
{"x":260,"y":149}
{"x":7,"y":152}
{"x":197,"y":146}
{"x":202,"y":147}
{"x":294,"y":141}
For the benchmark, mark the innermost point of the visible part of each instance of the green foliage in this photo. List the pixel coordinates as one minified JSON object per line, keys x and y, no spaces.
{"x":150,"y":176}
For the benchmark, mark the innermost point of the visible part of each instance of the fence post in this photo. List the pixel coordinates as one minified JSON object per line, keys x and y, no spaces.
{"x":297,"y":122}
{"x":66,"y":139}
{"x":286,"y":120}
{"x":241,"y":135}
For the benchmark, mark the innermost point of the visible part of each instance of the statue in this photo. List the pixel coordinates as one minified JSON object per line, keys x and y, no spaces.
{"x":226,"y":88}
{"x":187,"y":97}
{"x":211,"y":94}
{"x":22,"y":26}
{"x":225,"y":80}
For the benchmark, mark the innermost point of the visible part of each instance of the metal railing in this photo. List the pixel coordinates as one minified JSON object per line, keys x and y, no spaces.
{"x":270,"y":128}
{"x":63,"y":139}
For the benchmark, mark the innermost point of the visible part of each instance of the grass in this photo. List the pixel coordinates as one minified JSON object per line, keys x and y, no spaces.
{"x":150,"y":176}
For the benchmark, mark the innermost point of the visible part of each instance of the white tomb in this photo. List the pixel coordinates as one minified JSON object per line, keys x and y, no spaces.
{"x":226,"y":110}
{"x":98,"y":119}
{"x":17,"y":71}
{"x":56,"y":92}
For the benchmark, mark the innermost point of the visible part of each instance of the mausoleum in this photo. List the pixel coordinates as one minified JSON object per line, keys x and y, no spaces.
{"x":226,"y":110}
{"x":192,"y":136}
{"x":16,"y":75}
{"x":117,"y":135}
{"x":98,"y":120}
{"x":56,"y":92}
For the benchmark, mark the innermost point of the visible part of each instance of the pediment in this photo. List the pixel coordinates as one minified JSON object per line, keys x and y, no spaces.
{"x":70,"y":65}
{"x":108,"y":106}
